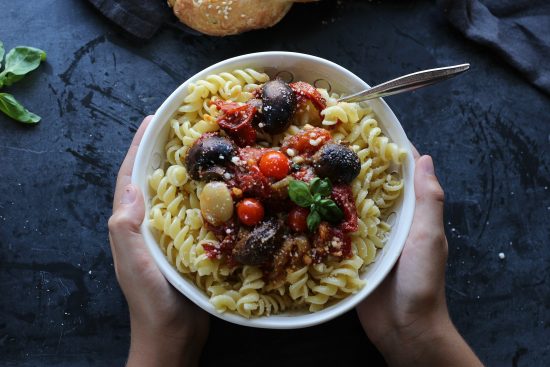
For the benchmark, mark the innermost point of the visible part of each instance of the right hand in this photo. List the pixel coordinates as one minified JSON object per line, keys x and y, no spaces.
{"x":406,"y":317}
{"x":166,"y":328}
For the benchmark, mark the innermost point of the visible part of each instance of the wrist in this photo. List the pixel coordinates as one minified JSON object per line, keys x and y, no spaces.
{"x":410,"y":342}
{"x":433,"y":341}
{"x":153,"y":348}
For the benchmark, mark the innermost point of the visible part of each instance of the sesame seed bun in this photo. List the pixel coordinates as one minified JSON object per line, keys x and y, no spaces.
{"x":227,"y":17}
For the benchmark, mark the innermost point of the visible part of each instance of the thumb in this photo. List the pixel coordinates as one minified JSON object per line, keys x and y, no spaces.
{"x":429,"y":196}
{"x":126,"y":220}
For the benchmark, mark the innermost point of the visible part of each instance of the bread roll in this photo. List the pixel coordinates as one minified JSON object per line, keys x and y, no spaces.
{"x":226,"y":17}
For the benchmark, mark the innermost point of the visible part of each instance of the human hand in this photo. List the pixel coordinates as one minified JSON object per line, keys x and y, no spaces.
{"x":406,"y":317}
{"x":166,"y":329}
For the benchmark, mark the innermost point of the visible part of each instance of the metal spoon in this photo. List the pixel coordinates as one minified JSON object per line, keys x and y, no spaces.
{"x":407,"y":82}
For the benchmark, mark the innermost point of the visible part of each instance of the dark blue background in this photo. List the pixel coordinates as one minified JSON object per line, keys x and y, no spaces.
{"x":488,"y":131}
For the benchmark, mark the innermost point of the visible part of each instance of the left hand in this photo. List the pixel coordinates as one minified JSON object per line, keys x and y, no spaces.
{"x":166,"y":328}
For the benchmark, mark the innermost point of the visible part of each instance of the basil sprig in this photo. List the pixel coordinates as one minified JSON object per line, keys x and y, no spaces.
{"x":19,"y":62}
{"x":313,"y":196}
{"x":11,"y":107}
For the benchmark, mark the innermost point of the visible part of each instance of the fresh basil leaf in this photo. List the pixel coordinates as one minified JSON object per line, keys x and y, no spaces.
{"x":20,"y":61}
{"x":15,"y":110}
{"x":314,"y":185}
{"x":322,"y":187}
{"x":313,"y":207}
{"x":330,"y":211}
{"x":325,"y":202}
{"x":325,"y":214}
{"x":313,"y":220}
{"x":316,"y":198}
{"x":298,"y":192}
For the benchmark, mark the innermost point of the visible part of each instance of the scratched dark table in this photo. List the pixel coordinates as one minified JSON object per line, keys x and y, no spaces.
{"x":488,"y":131}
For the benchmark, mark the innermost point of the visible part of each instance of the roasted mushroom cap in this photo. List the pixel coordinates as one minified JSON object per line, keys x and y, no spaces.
{"x":259,"y":245}
{"x":208,"y":157}
{"x":278,"y":106}
{"x":337,"y":162}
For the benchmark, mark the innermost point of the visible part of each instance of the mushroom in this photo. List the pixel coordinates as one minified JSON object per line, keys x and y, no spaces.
{"x":208,"y":158}
{"x":278,"y":106}
{"x":337,"y":162}
{"x":259,"y":245}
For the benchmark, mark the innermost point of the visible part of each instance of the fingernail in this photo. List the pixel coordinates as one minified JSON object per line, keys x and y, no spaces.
{"x":128,"y":195}
{"x":428,"y":166}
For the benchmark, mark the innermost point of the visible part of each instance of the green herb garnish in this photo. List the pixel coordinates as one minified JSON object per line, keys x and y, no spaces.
{"x":11,"y":107}
{"x":313,"y":196}
{"x":20,"y":61}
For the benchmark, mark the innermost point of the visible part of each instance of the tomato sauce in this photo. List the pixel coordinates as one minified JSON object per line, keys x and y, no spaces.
{"x":236,"y":121}
{"x":343,"y":197}
{"x":227,"y":235}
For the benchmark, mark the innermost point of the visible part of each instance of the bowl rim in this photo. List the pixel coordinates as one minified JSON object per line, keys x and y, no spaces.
{"x":197,"y":295}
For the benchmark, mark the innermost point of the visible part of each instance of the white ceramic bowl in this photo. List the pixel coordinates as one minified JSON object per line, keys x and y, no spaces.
{"x":310,"y":69}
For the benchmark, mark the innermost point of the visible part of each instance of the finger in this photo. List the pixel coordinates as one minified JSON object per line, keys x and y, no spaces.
{"x":124,"y":177}
{"x":426,"y":243}
{"x":124,"y":224}
{"x":428,"y":214}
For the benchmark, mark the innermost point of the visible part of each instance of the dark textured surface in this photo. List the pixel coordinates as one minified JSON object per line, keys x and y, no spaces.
{"x":489,"y":133}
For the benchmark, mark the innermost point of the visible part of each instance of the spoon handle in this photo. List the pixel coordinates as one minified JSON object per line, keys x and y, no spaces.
{"x":407,"y":82}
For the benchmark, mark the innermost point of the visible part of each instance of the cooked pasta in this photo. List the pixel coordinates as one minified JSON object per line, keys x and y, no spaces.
{"x":182,"y":235}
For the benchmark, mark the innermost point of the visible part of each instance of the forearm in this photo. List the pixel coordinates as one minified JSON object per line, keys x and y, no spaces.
{"x":438,"y":345}
{"x":152,"y":350}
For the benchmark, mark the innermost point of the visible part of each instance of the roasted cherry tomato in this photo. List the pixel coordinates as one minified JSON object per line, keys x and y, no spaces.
{"x":307,"y":142}
{"x":236,"y":121}
{"x":250,"y":211}
{"x":297,"y":219}
{"x":275,"y":164}
{"x":305,"y":90}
